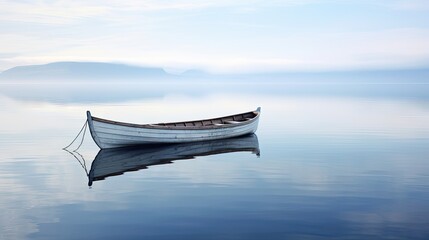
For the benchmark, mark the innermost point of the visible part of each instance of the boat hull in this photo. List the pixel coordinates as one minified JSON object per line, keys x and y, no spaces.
{"x":108,"y":134}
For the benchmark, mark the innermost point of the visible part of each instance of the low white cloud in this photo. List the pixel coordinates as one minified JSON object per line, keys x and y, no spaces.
{"x":307,"y":51}
{"x":48,"y":12}
{"x":152,"y":33}
{"x":66,"y":12}
{"x":417,"y":5}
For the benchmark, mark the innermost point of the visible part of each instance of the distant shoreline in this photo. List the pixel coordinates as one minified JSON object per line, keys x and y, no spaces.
{"x":103,"y":72}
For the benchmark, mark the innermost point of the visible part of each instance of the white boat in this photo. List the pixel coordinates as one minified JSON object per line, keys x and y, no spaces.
{"x":113,"y":134}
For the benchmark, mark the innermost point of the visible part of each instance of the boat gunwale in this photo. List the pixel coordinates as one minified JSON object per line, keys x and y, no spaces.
{"x":156,"y":126}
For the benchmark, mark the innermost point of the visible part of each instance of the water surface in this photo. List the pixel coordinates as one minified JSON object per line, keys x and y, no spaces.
{"x":336,"y":161}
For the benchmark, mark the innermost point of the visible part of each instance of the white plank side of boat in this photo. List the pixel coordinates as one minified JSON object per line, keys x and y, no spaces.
{"x":114,"y":134}
{"x":107,"y":141}
{"x":106,"y":138}
{"x":102,"y":126}
{"x":111,"y":135}
{"x":129,"y":131}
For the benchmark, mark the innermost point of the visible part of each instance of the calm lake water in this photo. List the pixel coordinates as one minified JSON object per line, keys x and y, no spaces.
{"x":337,"y":161}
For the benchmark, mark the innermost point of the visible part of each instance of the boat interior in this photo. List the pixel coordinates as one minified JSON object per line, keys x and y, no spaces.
{"x":233,"y":119}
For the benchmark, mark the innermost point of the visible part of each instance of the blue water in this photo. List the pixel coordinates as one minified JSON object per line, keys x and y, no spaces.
{"x":337,"y":161}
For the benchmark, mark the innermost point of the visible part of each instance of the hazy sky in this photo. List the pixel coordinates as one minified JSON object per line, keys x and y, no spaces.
{"x":218,"y":35}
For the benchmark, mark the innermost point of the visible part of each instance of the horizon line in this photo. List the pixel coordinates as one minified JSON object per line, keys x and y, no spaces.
{"x":175,"y":71}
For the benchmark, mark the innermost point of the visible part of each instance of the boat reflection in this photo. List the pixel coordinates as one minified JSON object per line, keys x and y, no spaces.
{"x":112,"y":162}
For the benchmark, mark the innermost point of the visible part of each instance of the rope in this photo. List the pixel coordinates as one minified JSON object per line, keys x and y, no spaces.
{"x":83,"y":137}
{"x":83,"y":127}
{"x":81,"y":162}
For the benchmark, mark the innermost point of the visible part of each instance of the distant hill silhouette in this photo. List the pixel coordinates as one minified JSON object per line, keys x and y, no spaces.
{"x":82,"y":70}
{"x":98,"y":71}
